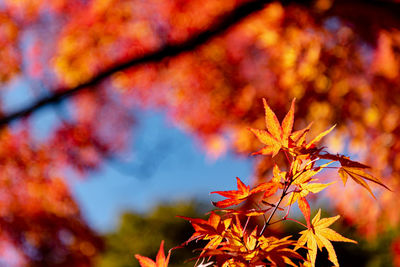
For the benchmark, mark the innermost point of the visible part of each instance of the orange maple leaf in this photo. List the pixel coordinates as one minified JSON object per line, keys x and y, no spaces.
{"x":161,"y":261}
{"x":319,"y":137}
{"x":298,"y":138}
{"x":213,"y":229}
{"x":246,"y":248}
{"x":278,"y":251}
{"x":303,"y":184}
{"x":280,"y":136}
{"x":277,"y":135}
{"x":236,"y":197}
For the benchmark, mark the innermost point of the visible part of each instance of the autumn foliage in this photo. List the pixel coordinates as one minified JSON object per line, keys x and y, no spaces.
{"x":230,"y":243}
{"x":206,"y":65}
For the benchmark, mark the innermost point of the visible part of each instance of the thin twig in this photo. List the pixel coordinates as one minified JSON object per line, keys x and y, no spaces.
{"x":290,"y":219}
{"x":274,"y":210}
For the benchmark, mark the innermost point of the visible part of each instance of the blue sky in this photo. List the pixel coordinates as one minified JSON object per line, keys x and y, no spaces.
{"x":145,"y":176}
{"x":184,"y":172}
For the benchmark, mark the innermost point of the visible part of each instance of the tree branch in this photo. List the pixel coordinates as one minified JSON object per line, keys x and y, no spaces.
{"x":219,"y":26}
{"x":348,"y":10}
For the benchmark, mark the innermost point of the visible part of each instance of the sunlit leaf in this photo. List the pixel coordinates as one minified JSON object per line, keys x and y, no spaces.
{"x":235,"y":197}
{"x":272,"y":146}
{"x":287,"y":124}
{"x":276,"y":137}
{"x":271,"y":121}
{"x":305,"y":209}
{"x":319,"y":137}
{"x":161,"y":261}
{"x":358,"y":175}
{"x":319,"y":235}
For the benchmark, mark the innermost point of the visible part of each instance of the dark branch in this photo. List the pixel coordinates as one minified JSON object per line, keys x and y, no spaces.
{"x":219,"y":26}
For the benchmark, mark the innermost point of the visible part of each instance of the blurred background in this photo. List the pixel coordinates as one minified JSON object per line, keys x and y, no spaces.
{"x":117,"y":115}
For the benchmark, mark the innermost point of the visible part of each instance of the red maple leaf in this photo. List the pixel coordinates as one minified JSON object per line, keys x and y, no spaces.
{"x":236,"y":197}
{"x":161,"y":261}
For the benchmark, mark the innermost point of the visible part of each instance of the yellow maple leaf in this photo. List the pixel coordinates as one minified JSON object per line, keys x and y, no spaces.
{"x":280,"y":136}
{"x":304,"y":189}
{"x":319,"y":235}
{"x":302,"y":182}
{"x":277,"y":135}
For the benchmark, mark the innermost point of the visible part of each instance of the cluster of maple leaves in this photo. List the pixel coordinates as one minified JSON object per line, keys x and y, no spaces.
{"x":234,"y":243}
{"x":288,"y":51}
{"x":340,"y":67}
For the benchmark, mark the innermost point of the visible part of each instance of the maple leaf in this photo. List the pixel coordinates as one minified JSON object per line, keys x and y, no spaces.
{"x":161,"y":261}
{"x":358,"y":174}
{"x":247,"y":212}
{"x":319,"y":235}
{"x":298,"y":138}
{"x":276,"y":136}
{"x":303,"y":186}
{"x":235,"y":197}
{"x":278,"y":176}
{"x":278,"y":251}
{"x":299,"y":147}
{"x":303,"y":174}
{"x":319,"y":137}
{"x":304,"y":189}
{"x":213,"y":229}
{"x":240,"y":240}
{"x":302,"y":171}
{"x":344,"y":161}
{"x":239,"y":246}
{"x":249,"y":249}
{"x":304,"y":207}
{"x":255,"y":249}
{"x":279,"y":136}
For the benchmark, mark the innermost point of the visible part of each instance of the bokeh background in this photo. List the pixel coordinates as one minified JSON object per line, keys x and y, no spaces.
{"x":117,"y":115}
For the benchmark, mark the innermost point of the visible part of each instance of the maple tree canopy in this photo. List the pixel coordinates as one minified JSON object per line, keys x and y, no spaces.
{"x":207,"y":64}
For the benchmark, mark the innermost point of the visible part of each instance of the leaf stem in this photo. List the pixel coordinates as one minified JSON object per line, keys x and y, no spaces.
{"x":274,"y":210}
{"x":265,"y":219}
{"x":287,"y":157}
{"x":288,"y":183}
{"x":294,"y":220}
